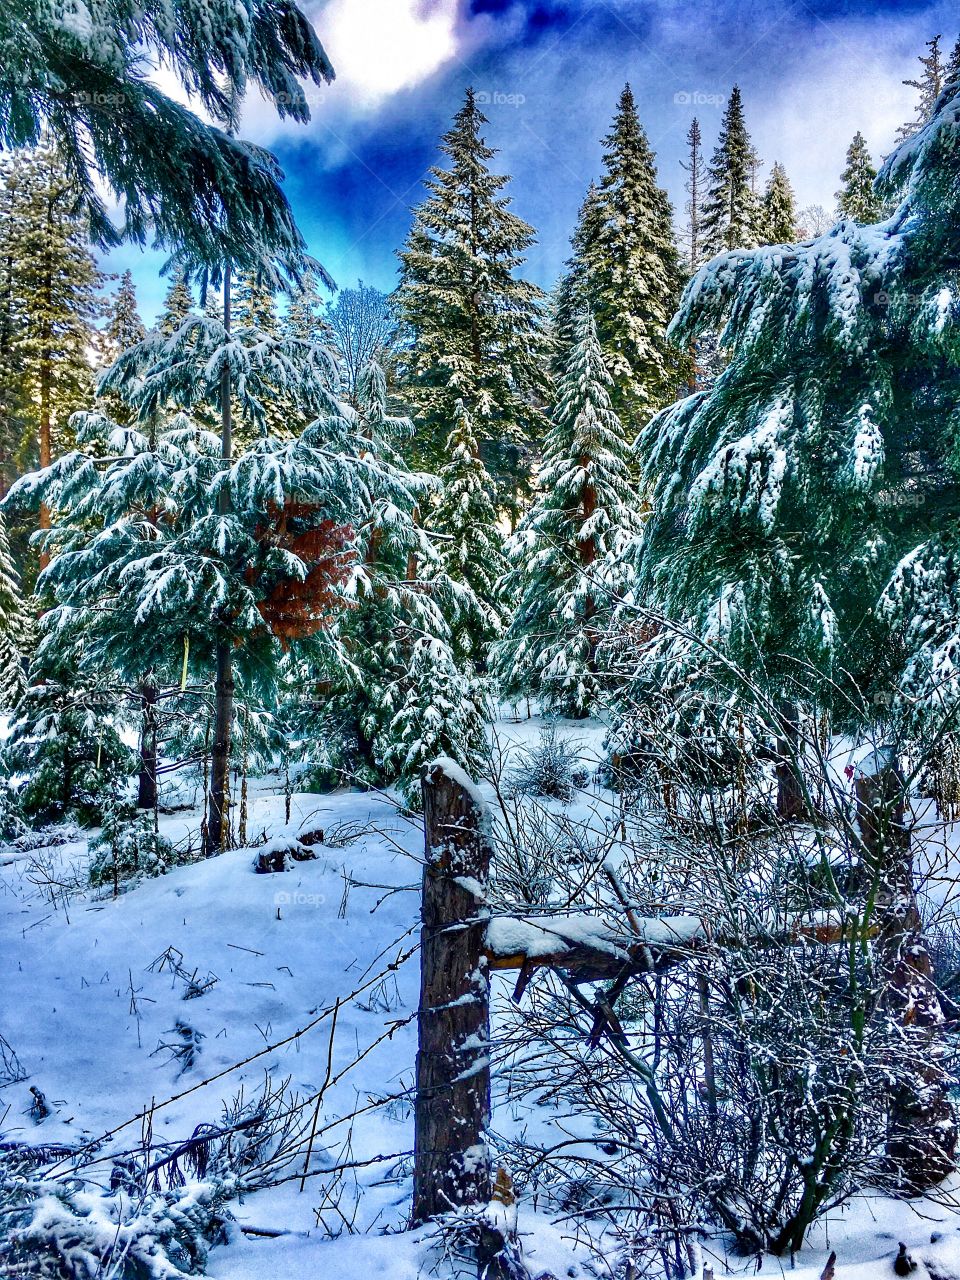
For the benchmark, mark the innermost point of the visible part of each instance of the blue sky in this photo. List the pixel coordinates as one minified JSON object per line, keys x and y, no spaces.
{"x":812,"y":72}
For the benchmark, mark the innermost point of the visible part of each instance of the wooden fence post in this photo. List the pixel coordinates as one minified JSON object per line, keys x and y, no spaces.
{"x":922,"y":1141}
{"x":451,"y":1161}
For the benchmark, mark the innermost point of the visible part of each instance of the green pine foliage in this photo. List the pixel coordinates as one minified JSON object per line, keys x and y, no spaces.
{"x":560,"y":554}
{"x":778,"y":211}
{"x":178,"y":303}
{"x":14,"y":629}
{"x":52,"y":303}
{"x":470,"y":544}
{"x":84,"y":74}
{"x":400,"y":696}
{"x":475,"y":330}
{"x":625,"y":269}
{"x":730,"y":209}
{"x":929,"y":85}
{"x":858,"y":198}
{"x":790,"y":521}
{"x":254,"y":305}
{"x":64,"y":758}
{"x":124,"y":327}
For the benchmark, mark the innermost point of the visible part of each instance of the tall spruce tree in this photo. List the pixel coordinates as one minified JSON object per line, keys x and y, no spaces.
{"x":124,"y":325}
{"x":730,"y":210}
{"x":398,"y":696}
{"x":695,"y":186}
{"x":476,"y":330}
{"x":626,"y":270}
{"x":929,"y":85}
{"x":857,"y":198}
{"x":304,"y":315}
{"x":254,"y":305}
{"x":559,"y":555}
{"x":470,"y":544}
{"x":178,"y":303}
{"x":778,"y":211}
{"x":56,"y":286}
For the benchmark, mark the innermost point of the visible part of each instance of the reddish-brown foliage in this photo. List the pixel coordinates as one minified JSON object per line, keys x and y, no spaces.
{"x":292,"y":607}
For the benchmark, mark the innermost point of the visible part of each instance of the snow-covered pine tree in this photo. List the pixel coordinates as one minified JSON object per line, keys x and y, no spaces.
{"x":807,"y":508}
{"x":237,"y":535}
{"x":730,"y":211}
{"x":398,"y":667}
{"x":626,"y":270}
{"x":695,"y":186}
{"x":304,"y":314}
{"x":560,"y":554}
{"x":184,"y":180}
{"x":124,"y":326}
{"x":790,"y":521}
{"x":470,"y":544}
{"x":178,"y":303}
{"x":929,"y":85}
{"x":14,"y":628}
{"x":953,"y":64}
{"x":778,"y":211}
{"x":476,"y":330}
{"x":441,"y":712}
{"x":56,"y":284}
{"x":254,"y":305}
{"x":857,"y":198}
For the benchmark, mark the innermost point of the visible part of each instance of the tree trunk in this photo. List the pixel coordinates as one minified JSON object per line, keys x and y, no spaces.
{"x":451,"y":1162}
{"x":147,"y":780}
{"x":218,"y":818}
{"x":791,"y":803}
{"x":922,"y":1136}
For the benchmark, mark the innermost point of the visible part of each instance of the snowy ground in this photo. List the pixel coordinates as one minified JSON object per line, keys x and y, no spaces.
{"x":88,"y":998}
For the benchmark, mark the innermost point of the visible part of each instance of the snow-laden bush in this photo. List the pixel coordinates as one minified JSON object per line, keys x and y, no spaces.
{"x":164,"y":1207}
{"x":128,"y":849}
{"x":552,"y":769}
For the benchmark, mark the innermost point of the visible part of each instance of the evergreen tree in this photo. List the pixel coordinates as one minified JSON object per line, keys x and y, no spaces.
{"x":254,"y":305}
{"x":56,"y":284}
{"x":304,"y":315}
{"x":806,"y":524}
{"x":399,"y":696}
{"x":695,"y":186}
{"x":953,"y":64}
{"x":929,"y":86}
{"x":178,"y":303}
{"x":730,"y":213}
{"x":241,"y":559}
{"x":13,"y":399}
{"x":476,"y":331}
{"x":124,"y":326}
{"x":857,"y":198}
{"x":626,"y":270}
{"x":14,"y":628}
{"x":471,"y":548}
{"x":85,"y":76}
{"x":790,"y":521}
{"x":441,"y":713}
{"x":559,"y":554}
{"x":778,"y":213}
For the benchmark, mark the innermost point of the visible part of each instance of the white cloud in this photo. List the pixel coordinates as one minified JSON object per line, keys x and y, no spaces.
{"x":379,"y":47}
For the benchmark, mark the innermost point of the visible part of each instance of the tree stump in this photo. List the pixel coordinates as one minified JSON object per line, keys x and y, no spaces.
{"x":922,"y":1139}
{"x":451,"y":1161}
